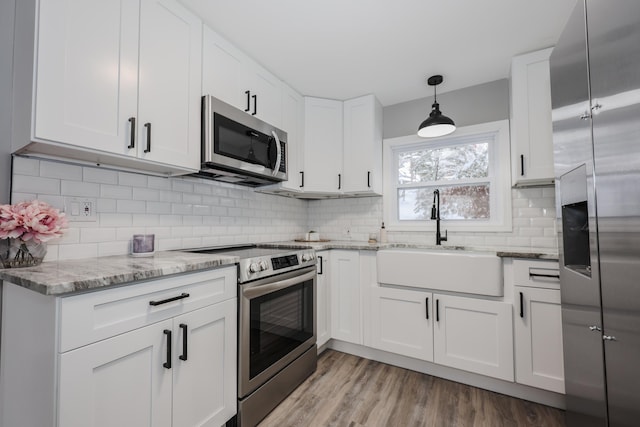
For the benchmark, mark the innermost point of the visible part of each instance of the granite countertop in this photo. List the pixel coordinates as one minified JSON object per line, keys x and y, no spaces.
{"x":355,"y":245}
{"x":64,"y":277}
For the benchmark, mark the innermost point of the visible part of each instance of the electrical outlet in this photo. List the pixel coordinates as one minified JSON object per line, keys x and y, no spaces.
{"x":81,"y":208}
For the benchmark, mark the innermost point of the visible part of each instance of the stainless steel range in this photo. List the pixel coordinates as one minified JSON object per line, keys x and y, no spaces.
{"x":276,"y":326}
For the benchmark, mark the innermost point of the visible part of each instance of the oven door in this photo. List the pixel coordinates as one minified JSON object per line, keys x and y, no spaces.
{"x":277,"y":324}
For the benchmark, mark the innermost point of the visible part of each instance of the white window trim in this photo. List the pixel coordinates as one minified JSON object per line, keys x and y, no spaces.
{"x":500,"y":170}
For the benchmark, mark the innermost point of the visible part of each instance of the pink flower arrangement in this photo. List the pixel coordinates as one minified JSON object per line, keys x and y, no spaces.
{"x":36,"y":221}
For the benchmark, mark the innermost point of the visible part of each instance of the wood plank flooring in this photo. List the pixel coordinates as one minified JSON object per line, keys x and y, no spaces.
{"x":349,"y":391}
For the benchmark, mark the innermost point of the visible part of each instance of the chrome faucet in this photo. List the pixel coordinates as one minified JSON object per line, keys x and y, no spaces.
{"x":435,"y":214}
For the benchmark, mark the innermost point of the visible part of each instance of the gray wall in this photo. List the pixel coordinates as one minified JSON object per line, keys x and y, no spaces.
{"x":6,"y":72}
{"x":483,"y":103}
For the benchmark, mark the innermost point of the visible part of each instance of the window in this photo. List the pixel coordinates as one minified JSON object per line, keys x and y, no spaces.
{"x":470,"y":168}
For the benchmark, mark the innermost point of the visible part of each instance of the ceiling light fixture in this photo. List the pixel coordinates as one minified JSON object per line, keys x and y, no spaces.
{"x":436,"y":124}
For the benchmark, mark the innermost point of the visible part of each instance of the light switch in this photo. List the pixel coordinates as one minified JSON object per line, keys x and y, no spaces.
{"x":81,"y":208}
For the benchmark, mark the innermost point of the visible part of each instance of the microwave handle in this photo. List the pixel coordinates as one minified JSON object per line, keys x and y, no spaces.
{"x":276,"y":168}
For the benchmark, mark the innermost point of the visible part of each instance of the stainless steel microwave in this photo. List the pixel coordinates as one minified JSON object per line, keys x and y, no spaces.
{"x":239,"y":148}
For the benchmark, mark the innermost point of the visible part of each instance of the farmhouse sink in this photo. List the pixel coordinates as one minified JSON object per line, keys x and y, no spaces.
{"x":457,"y":270}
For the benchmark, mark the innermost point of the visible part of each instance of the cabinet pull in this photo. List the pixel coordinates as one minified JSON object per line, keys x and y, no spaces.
{"x":255,"y":105}
{"x":320,"y":262}
{"x":248,"y":101}
{"x":302,"y":179}
{"x":426,"y":302}
{"x":167,"y":364}
{"x":368,"y":179}
{"x":183,"y":356}
{"x":554,"y":276}
{"x":132,"y":141}
{"x":339,"y":181}
{"x":437,"y":310}
{"x":521,"y":164}
{"x":148,"y":126}
{"x":521,"y":305}
{"x":164,"y":301}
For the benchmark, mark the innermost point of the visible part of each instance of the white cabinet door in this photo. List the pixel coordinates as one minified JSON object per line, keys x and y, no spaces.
{"x":531,"y":132}
{"x":323,"y":306}
{"x":402,"y":322}
{"x":204,"y":374}
{"x":345,"y":296}
{"x":170,"y":84}
{"x":292,"y":123}
{"x":538,"y":335}
{"x":223,"y":70}
{"x":120,"y":381}
{"x":362,"y":146}
{"x":323,"y":146}
{"x":266,"y":94}
{"x":87,"y":73}
{"x":474,"y":335}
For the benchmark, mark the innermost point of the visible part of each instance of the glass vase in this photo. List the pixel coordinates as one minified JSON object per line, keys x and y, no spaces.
{"x":15,"y":253}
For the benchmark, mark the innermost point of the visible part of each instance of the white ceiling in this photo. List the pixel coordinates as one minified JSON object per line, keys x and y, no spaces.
{"x":341,"y":49}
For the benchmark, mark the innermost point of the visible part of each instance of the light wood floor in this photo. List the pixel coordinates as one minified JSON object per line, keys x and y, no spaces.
{"x":349,"y":391}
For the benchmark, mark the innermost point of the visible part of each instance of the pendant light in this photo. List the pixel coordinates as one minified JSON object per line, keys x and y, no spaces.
{"x":436,"y":124}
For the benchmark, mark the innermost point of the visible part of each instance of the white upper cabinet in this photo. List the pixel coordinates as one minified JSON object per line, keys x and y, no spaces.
{"x":531,"y":130}
{"x":343,"y":147}
{"x":362,"y":161}
{"x":323,"y":146}
{"x":233,"y":77}
{"x":121,"y":78}
{"x":169,"y":84}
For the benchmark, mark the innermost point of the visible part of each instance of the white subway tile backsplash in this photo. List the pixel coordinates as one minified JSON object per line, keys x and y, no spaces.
{"x":115,"y":192}
{"x":131,"y":206}
{"x":146,"y":194}
{"x":159,"y":183}
{"x":100,"y":176}
{"x":188,"y":212}
{"x":78,"y":188}
{"x":35,"y":184}
{"x":132,"y":179}
{"x":26,"y":166}
{"x":78,"y":251}
{"x":97,"y":235}
{"x":61,"y":170}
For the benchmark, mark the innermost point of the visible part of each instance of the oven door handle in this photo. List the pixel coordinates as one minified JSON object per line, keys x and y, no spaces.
{"x":261,"y":290}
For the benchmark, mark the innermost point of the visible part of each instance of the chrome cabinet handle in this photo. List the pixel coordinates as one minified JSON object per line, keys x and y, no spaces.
{"x":594,"y":328}
{"x":609,"y":338}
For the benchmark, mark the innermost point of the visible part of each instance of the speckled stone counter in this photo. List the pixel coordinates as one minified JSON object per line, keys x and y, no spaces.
{"x":360,"y":246}
{"x":63,"y":277}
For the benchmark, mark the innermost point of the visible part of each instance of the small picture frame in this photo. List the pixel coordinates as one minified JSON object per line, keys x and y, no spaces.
{"x":143,"y":245}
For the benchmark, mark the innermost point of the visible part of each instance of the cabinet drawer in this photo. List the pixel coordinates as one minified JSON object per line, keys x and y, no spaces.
{"x":92,"y":317}
{"x":536,"y":273}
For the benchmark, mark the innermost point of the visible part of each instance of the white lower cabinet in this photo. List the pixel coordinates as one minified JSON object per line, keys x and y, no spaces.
{"x":98,"y":382}
{"x":465,"y":333}
{"x":473,"y":334}
{"x":538,"y":333}
{"x":346,"y":324}
{"x":323,"y":301}
{"x":156,"y":353}
{"x":402,"y":322}
{"x":537,"y":319}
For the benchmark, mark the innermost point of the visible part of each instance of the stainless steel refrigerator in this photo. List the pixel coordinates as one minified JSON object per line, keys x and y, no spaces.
{"x":595,"y":89}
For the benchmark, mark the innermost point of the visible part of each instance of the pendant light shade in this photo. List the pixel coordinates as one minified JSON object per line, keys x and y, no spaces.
{"x":436,"y":124}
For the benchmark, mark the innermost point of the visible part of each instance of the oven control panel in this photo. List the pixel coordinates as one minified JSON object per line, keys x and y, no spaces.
{"x":259,"y":267}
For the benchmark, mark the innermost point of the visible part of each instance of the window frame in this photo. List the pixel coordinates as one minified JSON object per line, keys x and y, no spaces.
{"x":499,"y":178}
